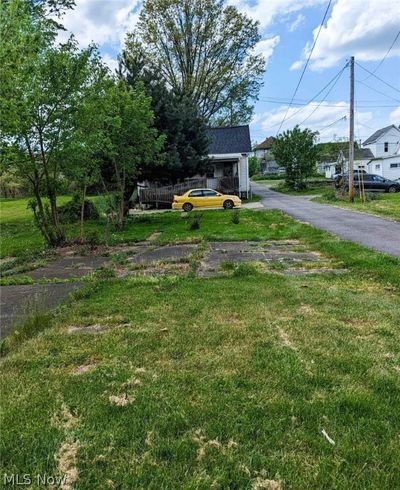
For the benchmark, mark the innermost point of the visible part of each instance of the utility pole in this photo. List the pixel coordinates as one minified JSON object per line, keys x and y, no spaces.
{"x":351,"y":143}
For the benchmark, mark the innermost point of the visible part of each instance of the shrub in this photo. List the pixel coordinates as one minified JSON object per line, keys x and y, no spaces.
{"x":245,"y":269}
{"x":194,"y":223}
{"x":71,"y":211}
{"x":235,"y":218}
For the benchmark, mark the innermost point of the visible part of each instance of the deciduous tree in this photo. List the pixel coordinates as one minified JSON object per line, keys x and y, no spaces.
{"x":295,"y":150}
{"x":205,"y":51}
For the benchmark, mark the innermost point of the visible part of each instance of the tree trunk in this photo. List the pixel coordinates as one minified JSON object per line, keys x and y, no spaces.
{"x":82,"y":213}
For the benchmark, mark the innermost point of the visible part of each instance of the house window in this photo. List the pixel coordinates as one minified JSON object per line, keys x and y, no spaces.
{"x":377,"y":167}
{"x":394,"y":165}
{"x":386,"y":147}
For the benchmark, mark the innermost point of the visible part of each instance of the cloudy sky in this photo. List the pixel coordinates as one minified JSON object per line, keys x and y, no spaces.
{"x":363,"y":28}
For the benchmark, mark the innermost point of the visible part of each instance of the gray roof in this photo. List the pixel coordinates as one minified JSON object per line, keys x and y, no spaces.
{"x":266,"y":144}
{"x":232,"y":139}
{"x":378,"y":134}
{"x":359,"y":154}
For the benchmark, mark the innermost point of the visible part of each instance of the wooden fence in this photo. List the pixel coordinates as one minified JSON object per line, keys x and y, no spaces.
{"x":164,"y":194}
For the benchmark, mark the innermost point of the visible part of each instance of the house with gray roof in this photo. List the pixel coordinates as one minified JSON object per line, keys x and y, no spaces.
{"x":385,"y":146}
{"x":229,"y":149}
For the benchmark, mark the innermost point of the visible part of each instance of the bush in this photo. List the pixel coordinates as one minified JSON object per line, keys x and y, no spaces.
{"x":268,"y":177}
{"x":194,"y":223}
{"x":70,"y":212}
{"x":235,"y":218}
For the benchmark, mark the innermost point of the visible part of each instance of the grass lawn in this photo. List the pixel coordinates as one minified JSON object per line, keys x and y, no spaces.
{"x":313,"y":188}
{"x":215,"y":383}
{"x":387,"y":206}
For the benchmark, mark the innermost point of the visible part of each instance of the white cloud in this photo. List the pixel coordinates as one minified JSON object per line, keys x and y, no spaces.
{"x":363,"y":28}
{"x":296,"y":65}
{"x":317,"y":119}
{"x":101,"y":21}
{"x":111,"y":62}
{"x":296,"y":23}
{"x":395,"y":116}
{"x":266,"y":47}
{"x":265,"y":11}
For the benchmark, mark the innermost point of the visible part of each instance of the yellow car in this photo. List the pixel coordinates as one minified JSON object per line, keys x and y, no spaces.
{"x":205,"y":198}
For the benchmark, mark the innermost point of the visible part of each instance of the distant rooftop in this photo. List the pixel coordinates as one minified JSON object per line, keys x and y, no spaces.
{"x":359,"y":154}
{"x":266,"y":144}
{"x":230,"y":139}
{"x":378,"y":134}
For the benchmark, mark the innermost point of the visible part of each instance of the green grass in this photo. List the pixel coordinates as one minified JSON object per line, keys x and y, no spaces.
{"x":387,"y":206}
{"x":224,"y":382}
{"x":313,"y":188}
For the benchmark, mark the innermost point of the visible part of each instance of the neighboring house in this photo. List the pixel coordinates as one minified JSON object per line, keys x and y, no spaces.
{"x":385,"y":145}
{"x":383,"y":142}
{"x":380,"y":154}
{"x":362,"y":157}
{"x":229,"y":151}
{"x":263,"y":152}
{"x":227,"y":170}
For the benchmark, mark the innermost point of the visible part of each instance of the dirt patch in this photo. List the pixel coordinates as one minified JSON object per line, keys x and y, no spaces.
{"x":262,"y":484}
{"x":284,"y":337}
{"x":153,"y":237}
{"x":86,"y":329}
{"x":66,"y":458}
{"x":84,"y":368}
{"x":203,"y":443}
{"x":121,"y":400}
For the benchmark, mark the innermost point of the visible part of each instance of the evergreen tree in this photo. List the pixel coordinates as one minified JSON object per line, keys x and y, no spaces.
{"x":176,"y":116}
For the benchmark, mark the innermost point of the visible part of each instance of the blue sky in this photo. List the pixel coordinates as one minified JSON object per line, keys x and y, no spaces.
{"x":363,"y":28}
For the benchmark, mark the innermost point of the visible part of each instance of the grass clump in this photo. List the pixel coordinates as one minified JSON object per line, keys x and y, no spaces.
{"x":195,"y":221}
{"x":35,"y":319}
{"x":235,"y":218}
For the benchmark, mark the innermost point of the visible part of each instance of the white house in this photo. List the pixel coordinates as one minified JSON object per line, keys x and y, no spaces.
{"x":380,"y":155}
{"x":385,"y":145}
{"x":362,"y":157}
{"x":383,"y":142}
{"x":229,"y":149}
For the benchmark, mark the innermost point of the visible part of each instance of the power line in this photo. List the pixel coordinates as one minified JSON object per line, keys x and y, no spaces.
{"x":329,"y":91}
{"x":377,"y":91}
{"x":343,"y":118}
{"x":311,"y":100}
{"x":379,"y":78}
{"x":328,"y":104}
{"x":386,"y":55}
{"x":307,"y":62}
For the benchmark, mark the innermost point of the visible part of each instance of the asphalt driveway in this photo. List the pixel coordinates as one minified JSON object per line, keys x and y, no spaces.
{"x":373,"y":232}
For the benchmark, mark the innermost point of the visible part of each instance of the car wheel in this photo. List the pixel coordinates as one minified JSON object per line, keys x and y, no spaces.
{"x":187,"y":207}
{"x":228,"y":204}
{"x":392,"y":188}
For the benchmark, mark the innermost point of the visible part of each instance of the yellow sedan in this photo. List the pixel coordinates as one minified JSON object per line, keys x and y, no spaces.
{"x":205,"y":198}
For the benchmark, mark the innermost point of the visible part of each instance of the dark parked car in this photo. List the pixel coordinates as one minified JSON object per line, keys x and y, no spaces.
{"x":373,"y":183}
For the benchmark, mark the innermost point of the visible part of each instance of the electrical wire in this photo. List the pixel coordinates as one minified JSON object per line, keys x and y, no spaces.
{"x":378,"y":78}
{"x":377,"y":91}
{"x":312,"y":99}
{"x":383,"y":59}
{"x":329,"y":91}
{"x":307,"y":62}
